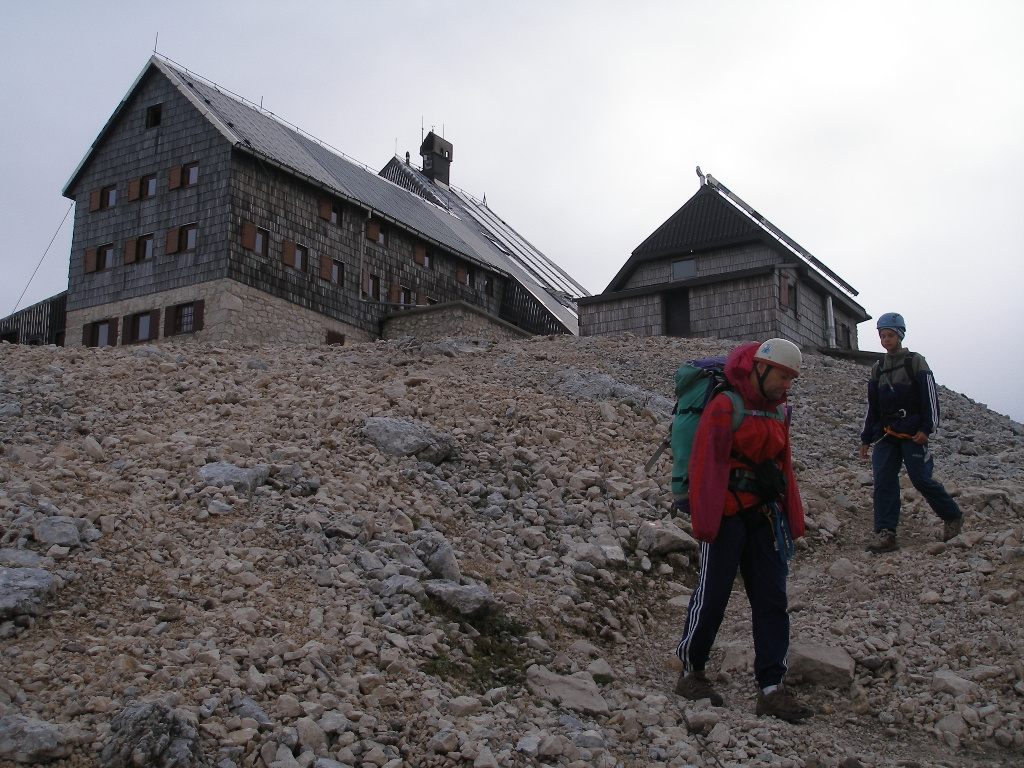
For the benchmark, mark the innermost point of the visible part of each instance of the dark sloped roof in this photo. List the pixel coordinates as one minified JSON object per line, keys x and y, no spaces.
{"x":443,"y":217}
{"x":706,"y":220}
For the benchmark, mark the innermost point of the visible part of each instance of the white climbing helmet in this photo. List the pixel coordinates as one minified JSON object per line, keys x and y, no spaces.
{"x":780,"y":353}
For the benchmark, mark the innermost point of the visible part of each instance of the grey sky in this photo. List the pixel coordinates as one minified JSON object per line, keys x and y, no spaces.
{"x":883,"y":137}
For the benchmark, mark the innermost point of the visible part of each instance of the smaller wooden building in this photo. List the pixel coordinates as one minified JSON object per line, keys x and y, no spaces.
{"x":42,"y":323}
{"x":719,"y":269}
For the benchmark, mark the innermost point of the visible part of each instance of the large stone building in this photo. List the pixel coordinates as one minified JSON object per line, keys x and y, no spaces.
{"x":201,"y":215}
{"x":717,"y":268}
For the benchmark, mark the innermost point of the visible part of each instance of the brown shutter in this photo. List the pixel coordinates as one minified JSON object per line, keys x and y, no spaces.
{"x":421,"y":300}
{"x":419,"y":254}
{"x":396,"y":293}
{"x":197,"y":314}
{"x":131,"y":246}
{"x":325,"y":208}
{"x":154,"y":324}
{"x":173,"y":236}
{"x":248,"y":235}
{"x":461,"y":273}
{"x":168,"y":321}
{"x":113,"y":332}
{"x":366,"y":281}
{"x":90,"y":260}
{"x":288,"y":253}
{"x":133,"y":189}
{"x":94,"y":200}
{"x":129,"y":329}
{"x":87,"y":335}
{"x":174,"y":177}
{"x":326,"y":265}
{"x":372,"y":230}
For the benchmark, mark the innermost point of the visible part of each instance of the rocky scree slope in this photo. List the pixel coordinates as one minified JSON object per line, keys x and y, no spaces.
{"x":448,"y":554}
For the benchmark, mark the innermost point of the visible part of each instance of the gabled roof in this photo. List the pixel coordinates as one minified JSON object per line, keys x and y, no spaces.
{"x":715,"y":217}
{"x":445,"y":218}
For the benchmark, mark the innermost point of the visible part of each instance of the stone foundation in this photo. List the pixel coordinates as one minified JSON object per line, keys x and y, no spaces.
{"x":455,"y":319}
{"x":232,"y":312}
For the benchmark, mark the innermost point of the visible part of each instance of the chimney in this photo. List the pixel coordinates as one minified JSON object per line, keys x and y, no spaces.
{"x":437,"y":158}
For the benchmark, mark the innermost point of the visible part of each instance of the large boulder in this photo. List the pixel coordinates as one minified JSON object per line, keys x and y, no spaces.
{"x":243,"y":479}
{"x":154,"y":735}
{"x":28,"y":740}
{"x":578,"y":692}
{"x":470,"y":600}
{"x":23,"y":591}
{"x":398,"y":437}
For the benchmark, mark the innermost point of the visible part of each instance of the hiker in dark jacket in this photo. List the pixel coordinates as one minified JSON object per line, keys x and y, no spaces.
{"x":903,"y":410}
{"x":743,"y":497}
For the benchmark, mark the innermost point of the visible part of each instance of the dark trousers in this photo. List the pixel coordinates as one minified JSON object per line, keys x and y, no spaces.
{"x":886,"y":457}
{"x":756,"y":555}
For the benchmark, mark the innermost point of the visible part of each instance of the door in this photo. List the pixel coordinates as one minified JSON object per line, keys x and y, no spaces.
{"x":677,"y":312}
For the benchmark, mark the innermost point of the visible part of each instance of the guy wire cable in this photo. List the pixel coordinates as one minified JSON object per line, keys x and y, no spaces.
{"x":631,"y":598}
{"x":43,"y":257}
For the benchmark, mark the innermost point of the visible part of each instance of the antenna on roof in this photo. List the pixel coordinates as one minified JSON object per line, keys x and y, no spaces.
{"x":421,"y":129}
{"x":157,"y":40}
{"x":702,"y":179}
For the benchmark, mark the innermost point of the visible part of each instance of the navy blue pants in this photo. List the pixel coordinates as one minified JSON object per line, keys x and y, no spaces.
{"x":756,"y":555}
{"x":886,"y":457}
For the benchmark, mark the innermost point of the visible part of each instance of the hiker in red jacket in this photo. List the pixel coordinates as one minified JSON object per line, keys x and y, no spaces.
{"x":746,"y":511}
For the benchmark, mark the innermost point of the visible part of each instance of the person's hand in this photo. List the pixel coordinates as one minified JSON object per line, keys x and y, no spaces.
{"x":921,"y":438}
{"x":863,"y":451}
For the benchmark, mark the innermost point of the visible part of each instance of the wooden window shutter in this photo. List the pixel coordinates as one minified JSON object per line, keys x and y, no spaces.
{"x":326,"y":267}
{"x":94,"y":200}
{"x":372,"y":230}
{"x":461,"y":273}
{"x":131,"y":246}
{"x":248,"y":235}
{"x":396,"y":293}
{"x":154,"y":324}
{"x":134,"y":185}
{"x":129,"y":329}
{"x":174,"y":177}
{"x":421,"y":300}
{"x":113,"y":332}
{"x":325,"y":208}
{"x":288,"y":253}
{"x":366,"y":281}
{"x":197,"y":314}
{"x":419,"y":254}
{"x":87,"y":335}
{"x":173,"y":236}
{"x":168,"y":321}
{"x":90,"y":260}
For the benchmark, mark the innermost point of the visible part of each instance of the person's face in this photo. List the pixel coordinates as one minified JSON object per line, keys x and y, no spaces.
{"x":889,"y":338}
{"x":777,"y":382}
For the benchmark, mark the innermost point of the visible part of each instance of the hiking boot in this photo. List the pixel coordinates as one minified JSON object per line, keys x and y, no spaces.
{"x":695,"y":686}
{"x":951,"y":528}
{"x":782,"y":704}
{"x":884,"y":541}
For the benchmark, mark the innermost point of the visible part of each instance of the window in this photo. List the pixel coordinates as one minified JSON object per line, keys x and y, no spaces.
{"x":142,"y":326}
{"x":102,"y":333}
{"x":376,"y":233}
{"x":332,"y":271}
{"x":336,"y":339}
{"x":405,"y":296}
{"x":153,"y":115}
{"x":463,"y":275}
{"x":254,"y":238}
{"x":294,"y":255}
{"x":301,"y":258}
{"x":330,"y":210}
{"x":188,"y":237}
{"x":373,"y":287}
{"x":683,"y":269}
{"x":260,"y":243}
{"x":105,"y":257}
{"x":138,"y":249}
{"x":147,"y":187}
{"x":183,"y":176}
{"x":108,"y":197}
{"x":489,"y":285}
{"x":184,"y":318}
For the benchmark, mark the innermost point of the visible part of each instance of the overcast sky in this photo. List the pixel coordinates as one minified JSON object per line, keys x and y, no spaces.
{"x":886,"y":138}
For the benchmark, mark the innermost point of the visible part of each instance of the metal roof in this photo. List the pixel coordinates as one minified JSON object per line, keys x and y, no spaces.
{"x":447,"y":218}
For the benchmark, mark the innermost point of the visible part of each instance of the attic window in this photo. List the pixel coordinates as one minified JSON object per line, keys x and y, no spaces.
{"x":683,"y":269}
{"x":153,"y":115}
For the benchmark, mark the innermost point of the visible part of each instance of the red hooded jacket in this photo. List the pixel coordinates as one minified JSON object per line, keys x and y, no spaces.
{"x":758,"y":438}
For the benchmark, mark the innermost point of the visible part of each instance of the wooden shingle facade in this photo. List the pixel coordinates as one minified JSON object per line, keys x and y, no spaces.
{"x":718,"y":269}
{"x":199,"y":215}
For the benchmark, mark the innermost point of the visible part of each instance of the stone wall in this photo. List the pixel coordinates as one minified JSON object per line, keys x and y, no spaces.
{"x":233,"y":312}
{"x":451,"y":320}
